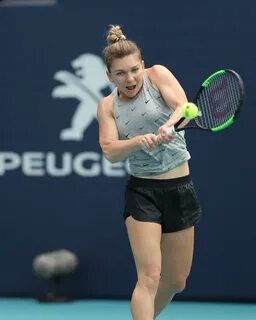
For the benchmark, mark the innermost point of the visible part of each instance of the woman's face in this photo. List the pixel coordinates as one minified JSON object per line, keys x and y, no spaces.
{"x":127,"y":74}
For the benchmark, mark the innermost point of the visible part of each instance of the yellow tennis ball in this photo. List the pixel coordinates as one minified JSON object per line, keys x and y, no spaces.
{"x":189,"y":110}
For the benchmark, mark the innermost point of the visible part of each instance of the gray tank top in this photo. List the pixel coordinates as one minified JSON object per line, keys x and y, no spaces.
{"x":144,"y":114}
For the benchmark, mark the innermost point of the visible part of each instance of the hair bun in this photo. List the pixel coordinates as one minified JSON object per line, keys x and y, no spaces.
{"x":115,"y":34}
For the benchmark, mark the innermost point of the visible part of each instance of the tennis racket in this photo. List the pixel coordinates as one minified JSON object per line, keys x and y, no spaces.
{"x":219,"y":101}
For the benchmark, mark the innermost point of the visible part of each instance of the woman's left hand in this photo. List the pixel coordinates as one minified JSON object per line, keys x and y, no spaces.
{"x":165,"y":134}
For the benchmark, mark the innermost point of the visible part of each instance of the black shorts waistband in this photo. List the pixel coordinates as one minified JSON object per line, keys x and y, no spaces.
{"x":155,"y":183}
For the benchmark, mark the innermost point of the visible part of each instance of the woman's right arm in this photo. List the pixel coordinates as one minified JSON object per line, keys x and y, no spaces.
{"x":114,"y":149}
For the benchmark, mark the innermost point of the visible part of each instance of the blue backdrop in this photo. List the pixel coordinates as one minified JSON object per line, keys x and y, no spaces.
{"x":57,"y":191}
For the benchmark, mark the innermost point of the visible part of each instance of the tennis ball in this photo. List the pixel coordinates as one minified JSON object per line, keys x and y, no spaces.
{"x":189,"y":110}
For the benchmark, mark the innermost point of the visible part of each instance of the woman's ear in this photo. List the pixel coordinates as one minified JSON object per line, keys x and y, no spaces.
{"x":109,"y":76}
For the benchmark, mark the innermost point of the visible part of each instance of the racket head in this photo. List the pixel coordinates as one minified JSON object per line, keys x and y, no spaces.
{"x":219,"y":100}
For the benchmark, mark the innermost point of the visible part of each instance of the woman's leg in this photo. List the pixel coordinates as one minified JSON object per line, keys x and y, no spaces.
{"x":177,"y":253}
{"x":145,"y":240}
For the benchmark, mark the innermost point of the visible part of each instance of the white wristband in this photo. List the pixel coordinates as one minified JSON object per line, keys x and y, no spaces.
{"x":171,"y":131}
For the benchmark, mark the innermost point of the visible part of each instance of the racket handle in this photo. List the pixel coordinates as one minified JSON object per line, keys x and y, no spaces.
{"x":178,"y":123}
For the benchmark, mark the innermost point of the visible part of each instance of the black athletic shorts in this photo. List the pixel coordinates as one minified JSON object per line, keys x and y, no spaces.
{"x":173,"y":203}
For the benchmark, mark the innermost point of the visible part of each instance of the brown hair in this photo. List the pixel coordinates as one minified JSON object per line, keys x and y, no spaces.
{"x":118,"y":46}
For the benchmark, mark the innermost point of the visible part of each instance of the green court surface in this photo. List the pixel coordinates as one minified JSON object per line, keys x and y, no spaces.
{"x":29,"y":309}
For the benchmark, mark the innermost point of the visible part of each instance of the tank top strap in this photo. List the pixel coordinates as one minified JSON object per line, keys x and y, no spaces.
{"x":150,"y":88}
{"x":115,"y":98}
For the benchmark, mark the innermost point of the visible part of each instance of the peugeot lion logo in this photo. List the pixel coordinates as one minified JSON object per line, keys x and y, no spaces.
{"x":85,"y":85}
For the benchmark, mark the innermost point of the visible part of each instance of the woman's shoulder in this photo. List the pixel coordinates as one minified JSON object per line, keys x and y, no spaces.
{"x":106,"y":104}
{"x":159,"y":74}
{"x":157,"y":70}
{"x":156,"y":74}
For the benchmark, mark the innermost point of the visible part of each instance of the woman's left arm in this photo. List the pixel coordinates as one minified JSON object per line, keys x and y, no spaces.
{"x":171,"y":91}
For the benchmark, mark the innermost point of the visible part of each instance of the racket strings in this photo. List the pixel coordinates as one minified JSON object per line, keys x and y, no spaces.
{"x":219,"y":101}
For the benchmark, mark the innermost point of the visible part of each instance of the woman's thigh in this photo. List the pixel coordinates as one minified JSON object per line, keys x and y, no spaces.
{"x":177,"y":255}
{"x":145,"y":238}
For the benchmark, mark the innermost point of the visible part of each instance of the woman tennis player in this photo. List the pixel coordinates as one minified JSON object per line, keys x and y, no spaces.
{"x":161,"y":206}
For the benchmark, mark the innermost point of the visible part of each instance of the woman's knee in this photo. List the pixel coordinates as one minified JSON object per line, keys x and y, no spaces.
{"x":178,"y":285}
{"x":150,"y":277}
{"x":173,"y":286}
